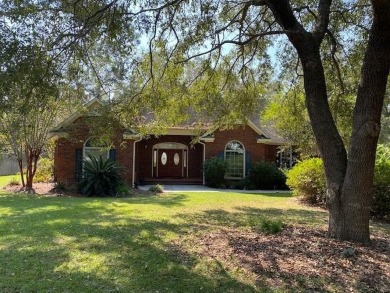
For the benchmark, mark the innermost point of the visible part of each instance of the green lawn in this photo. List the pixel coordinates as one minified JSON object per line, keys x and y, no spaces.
{"x":4,"y":180}
{"x":62,"y":244}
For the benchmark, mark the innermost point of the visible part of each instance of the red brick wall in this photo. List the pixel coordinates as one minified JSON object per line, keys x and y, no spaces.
{"x":248,"y":137}
{"x":64,"y":157}
{"x":65,"y":149}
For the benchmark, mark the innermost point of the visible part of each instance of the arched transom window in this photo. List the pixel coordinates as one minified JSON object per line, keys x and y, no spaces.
{"x":94,"y":147}
{"x":235,"y":156}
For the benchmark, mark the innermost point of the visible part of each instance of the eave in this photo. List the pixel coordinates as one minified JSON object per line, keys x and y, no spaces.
{"x":58,"y":135}
{"x":207,"y":139}
{"x":272,"y":142}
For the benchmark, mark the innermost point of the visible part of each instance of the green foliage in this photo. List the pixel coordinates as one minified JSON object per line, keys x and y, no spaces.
{"x":14,"y":181}
{"x":265,"y":175}
{"x":124,"y":190}
{"x":268,"y":226}
{"x":60,"y":186}
{"x":380,"y":208}
{"x":158,"y":188}
{"x":288,"y":114}
{"x":382,"y":165}
{"x":101,"y":177}
{"x":381,"y":200}
{"x":240,"y":184}
{"x":6,"y":179}
{"x":214,"y":170}
{"x":349,"y":252}
{"x":44,"y":171}
{"x":307,"y":180}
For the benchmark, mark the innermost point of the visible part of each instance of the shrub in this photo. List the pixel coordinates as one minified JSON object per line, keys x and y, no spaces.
{"x":271,"y":226}
{"x":60,"y":186}
{"x":124,"y":190}
{"x":265,"y":175}
{"x":381,"y":192}
{"x":101,"y":177}
{"x":214,"y":171}
{"x":158,"y":188}
{"x":14,"y":181}
{"x":380,"y":208}
{"x":44,"y":170}
{"x":241,"y":184}
{"x":382,"y":165}
{"x":307,"y":179}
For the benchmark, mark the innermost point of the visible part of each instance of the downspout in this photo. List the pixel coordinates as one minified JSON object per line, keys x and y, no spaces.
{"x":133,"y":179}
{"x":204,"y":158}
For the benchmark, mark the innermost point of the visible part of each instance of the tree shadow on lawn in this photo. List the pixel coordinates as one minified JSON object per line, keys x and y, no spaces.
{"x":22,"y":203}
{"x":164,"y":199}
{"x":282,"y":194}
{"x":253,"y":217}
{"x":59,"y":248}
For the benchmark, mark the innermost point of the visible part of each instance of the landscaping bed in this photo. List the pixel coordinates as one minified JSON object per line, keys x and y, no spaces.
{"x":298,"y":259}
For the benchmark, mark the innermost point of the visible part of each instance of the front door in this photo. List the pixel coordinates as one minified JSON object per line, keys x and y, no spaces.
{"x":170,"y":163}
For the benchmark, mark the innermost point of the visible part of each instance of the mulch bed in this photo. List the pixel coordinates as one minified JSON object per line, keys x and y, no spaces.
{"x":38,"y":188}
{"x":48,"y":189}
{"x":299,"y":259}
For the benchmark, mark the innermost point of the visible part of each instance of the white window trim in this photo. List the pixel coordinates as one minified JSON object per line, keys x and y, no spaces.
{"x":244,"y":158}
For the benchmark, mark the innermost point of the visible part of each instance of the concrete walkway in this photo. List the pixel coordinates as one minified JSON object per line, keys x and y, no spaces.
{"x":201,"y":188}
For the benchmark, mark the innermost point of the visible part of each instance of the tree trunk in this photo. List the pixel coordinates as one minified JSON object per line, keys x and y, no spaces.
{"x":20,"y":165}
{"x":29,"y":177}
{"x":349,"y":179}
{"x":349,"y":217}
{"x":349,"y":188}
{"x":32,"y":157}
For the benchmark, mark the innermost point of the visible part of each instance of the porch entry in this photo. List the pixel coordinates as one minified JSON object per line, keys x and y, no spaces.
{"x":170,"y":160}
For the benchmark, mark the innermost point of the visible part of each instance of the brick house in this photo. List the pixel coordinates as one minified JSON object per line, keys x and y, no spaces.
{"x":176,"y":156}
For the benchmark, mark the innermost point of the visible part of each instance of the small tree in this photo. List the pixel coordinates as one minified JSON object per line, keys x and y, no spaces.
{"x":29,"y":105}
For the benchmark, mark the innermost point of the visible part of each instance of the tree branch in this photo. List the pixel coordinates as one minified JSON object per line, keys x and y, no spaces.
{"x":322,"y":20}
{"x":234,"y":42}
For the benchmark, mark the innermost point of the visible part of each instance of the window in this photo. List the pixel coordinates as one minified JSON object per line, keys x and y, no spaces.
{"x":185,"y":158}
{"x":286,"y":157}
{"x":94,"y":147}
{"x":164,"y":158}
{"x":176,"y":159}
{"x":235,"y":157}
{"x":154,"y":158}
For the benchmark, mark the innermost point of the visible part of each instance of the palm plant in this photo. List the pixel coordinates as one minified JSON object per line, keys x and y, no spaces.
{"x":101,"y":177}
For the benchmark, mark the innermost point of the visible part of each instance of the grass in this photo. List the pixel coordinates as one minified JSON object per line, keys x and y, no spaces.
{"x":4,"y":180}
{"x":56,"y":244}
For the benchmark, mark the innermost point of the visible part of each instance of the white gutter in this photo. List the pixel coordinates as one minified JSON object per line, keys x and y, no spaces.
{"x":135,"y":141}
{"x":204,"y":158}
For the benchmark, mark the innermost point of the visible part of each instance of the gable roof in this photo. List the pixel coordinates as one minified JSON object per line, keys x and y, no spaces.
{"x":266,"y":133}
{"x":90,"y":106}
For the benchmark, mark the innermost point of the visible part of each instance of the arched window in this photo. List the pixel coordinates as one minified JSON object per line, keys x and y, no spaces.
{"x":235,"y":156}
{"x":94,"y":147}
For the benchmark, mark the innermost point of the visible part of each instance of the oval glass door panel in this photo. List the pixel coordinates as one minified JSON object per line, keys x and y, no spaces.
{"x":176,"y":159}
{"x":164,"y":158}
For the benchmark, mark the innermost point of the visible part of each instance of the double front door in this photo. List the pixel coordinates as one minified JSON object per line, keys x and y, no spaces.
{"x":170,"y":163}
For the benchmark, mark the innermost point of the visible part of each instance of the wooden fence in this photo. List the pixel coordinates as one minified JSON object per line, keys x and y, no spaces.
{"x":8,"y":165}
